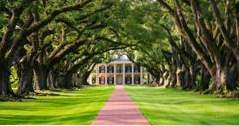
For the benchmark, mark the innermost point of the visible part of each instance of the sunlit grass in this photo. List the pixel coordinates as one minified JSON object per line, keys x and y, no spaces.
{"x":70,"y":107}
{"x":173,"y":106}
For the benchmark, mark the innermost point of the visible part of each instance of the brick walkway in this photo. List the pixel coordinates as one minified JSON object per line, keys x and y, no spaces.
{"x":120,"y":110}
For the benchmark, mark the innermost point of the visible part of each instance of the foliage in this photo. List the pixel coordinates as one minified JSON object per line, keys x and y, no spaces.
{"x":182,"y":43}
{"x":14,"y":78}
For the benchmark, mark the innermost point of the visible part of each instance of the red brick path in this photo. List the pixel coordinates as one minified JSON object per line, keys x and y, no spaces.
{"x":120,"y":110}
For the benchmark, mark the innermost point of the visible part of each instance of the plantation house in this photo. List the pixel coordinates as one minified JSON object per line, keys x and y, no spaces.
{"x":119,"y":71}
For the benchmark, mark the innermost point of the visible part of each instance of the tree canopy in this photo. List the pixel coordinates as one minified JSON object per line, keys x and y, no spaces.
{"x":189,"y":44}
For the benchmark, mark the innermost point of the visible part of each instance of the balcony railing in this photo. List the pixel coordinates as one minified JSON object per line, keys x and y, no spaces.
{"x":119,"y":70}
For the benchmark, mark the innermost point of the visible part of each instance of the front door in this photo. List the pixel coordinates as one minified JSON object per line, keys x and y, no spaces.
{"x":119,"y":80}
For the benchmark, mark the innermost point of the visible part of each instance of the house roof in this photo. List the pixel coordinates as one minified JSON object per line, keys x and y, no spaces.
{"x":121,"y":58}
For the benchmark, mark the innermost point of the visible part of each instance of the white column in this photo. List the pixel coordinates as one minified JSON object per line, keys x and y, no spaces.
{"x":114,"y":74}
{"x":106,"y":77}
{"x":123,"y":73}
{"x":141,"y":75}
{"x":97,"y":74}
{"x":132,"y":72}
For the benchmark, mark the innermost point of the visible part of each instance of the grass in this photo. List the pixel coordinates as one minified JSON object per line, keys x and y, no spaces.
{"x":173,"y":106}
{"x":70,"y":107}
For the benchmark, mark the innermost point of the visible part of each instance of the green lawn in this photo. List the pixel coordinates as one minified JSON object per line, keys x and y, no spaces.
{"x":70,"y":107}
{"x":172,"y":106}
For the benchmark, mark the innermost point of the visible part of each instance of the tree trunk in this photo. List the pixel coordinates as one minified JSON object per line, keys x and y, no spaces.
{"x":224,"y":81}
{"x":68,"y":84}
{"x":179,"y":78}
{"x":204,"y":84}
{"x":26,"y":81}
{"x":230,"y":78}
{"x":192,"y":74}
{"x":5,"y":86}
{"x":41,"y":78}
{"x":51,"y":80}
{"x":84,"y":79}
{"x":186,"y":80}
{"x":60,"y":81}
{"x":173,"y":80}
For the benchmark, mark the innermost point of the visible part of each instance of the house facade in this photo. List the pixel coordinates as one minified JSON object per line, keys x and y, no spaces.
{"x":119,"y":71}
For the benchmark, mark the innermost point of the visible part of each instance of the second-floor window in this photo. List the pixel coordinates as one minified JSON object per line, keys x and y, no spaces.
{"x":136,"y":68}
{"x":110,"y":69}
{"x":102,"y":69}
{"x":128,"y":69}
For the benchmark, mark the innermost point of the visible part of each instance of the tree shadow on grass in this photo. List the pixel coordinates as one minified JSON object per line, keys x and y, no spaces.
{"x":194,"y":118}
{"x":78,"y":118}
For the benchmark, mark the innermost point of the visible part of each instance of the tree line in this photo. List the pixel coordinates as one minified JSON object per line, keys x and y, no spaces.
{"x":48,"y":43}
{"x":203,"y":46}
{"x":191,"y":44}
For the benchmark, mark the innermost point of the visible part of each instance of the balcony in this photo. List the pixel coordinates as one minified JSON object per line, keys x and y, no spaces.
{"x":119,"y":69}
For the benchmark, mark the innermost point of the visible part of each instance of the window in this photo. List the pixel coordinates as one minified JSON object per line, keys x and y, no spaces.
{"x":128,"y":80}
{"x":102,"y":80}
{"x":128,"y":69}
{"x":110,"y":69}
{"x":136,"y":68}
{"x":137,"y":80}
{"x":102,"y":69}
{"x":110,"y":80}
